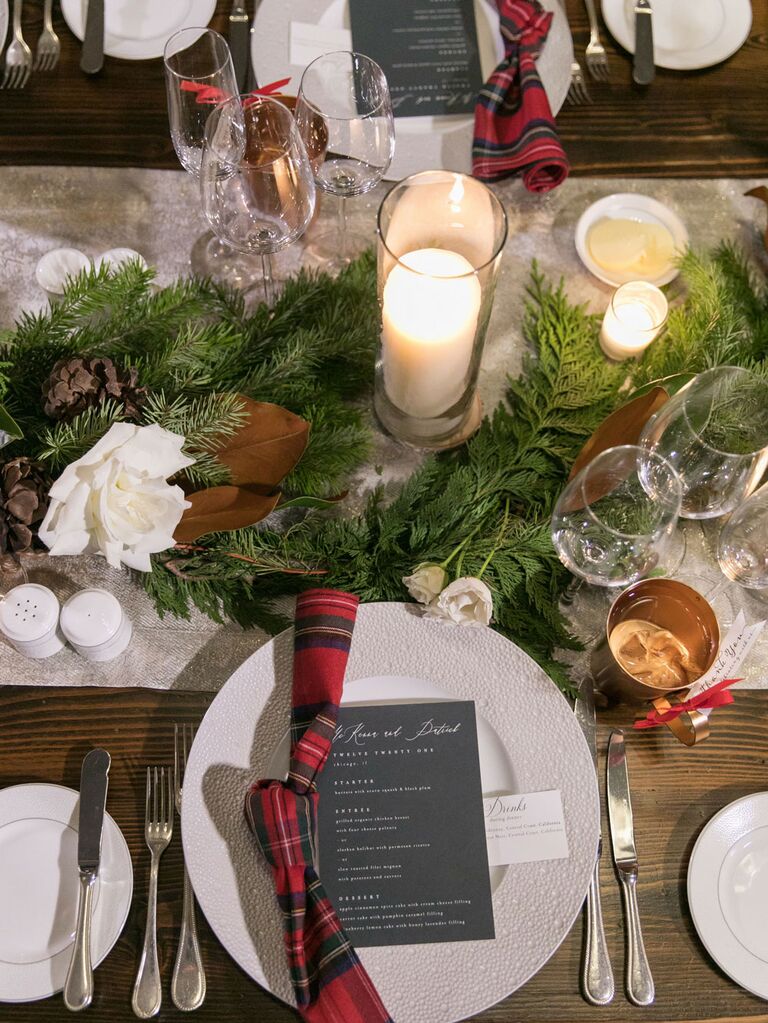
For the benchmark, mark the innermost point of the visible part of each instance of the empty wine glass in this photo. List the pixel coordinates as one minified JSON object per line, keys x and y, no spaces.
{"x":344,"y":114}
{"x":714,"y":432}
{"x":742,"y":550}
{"x":615,"y":521}
{"x":256,"y":183}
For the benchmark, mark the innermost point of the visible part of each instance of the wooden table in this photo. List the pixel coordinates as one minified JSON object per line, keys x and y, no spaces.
{"x":710,"y":123}
{"x":45,"y":733}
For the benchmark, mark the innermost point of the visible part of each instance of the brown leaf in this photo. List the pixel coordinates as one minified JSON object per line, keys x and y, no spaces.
{"x":761,"y":192}
{"x":266,"y":447}
{"x":224,"y":508}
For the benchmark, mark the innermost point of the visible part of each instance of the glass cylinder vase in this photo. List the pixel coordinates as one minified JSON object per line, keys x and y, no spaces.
{"x":440,"y":239}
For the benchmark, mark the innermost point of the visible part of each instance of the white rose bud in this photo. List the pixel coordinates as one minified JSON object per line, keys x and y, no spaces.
{"x":466,"y":601}
{"x":116,"y":500}
{"x":426,"y":582}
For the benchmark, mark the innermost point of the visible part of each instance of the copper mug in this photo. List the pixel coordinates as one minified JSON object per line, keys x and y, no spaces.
{"x":670,"y":605}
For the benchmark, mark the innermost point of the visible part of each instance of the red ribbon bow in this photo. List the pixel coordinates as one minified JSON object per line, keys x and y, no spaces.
{"x":716,"y":696}
{"x":210,"y":94}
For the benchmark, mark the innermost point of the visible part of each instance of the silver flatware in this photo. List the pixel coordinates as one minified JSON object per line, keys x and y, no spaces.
{"x":18,"y":56}
{"x":92,"y":54}
{"x":239,"y":39}
{"x":596,"y":975}
{"x":94,"y":777}
{"x":577,"y":90}
{"x":597,"y":61}
{"x":188,"y":983}
{"x":637,"y":973}
{"x":158,"y":829}
{"x":48,"y":47}
{"x":643,"y":68}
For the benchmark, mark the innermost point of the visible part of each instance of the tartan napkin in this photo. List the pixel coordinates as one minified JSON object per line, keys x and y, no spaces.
{"x":514,"y":127}
{"x":329,"y":981}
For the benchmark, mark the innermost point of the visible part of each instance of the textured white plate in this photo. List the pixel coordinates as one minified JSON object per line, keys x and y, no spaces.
{"x":728,"y":889}
{"x":687,"y":34}
{"x":139,"y":29}
{"x":39,"y":889}
{"x":534,"y":744}
{"x":422,"y":143}
{"x":3,"y":24}
{"x":630,"y":207}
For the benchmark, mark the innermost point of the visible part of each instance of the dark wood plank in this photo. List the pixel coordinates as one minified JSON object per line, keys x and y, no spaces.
{"x":44,"y":734}
{"x":710,"y":123}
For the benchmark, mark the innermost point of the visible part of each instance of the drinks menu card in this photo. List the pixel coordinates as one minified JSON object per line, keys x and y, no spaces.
{"x":427,"y":49}
{"x":401,"y":837}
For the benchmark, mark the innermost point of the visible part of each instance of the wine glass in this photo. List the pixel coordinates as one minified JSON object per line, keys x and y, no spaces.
{"x":714,"y":432}
{"x":615,"y":521}
{"x":344,"y":115}
{"x":742,"y":550}
{"x":256,"y":183}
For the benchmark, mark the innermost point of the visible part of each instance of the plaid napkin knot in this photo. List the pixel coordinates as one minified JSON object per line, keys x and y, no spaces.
{"x":514,"y":127}
{"x":329,"y":981}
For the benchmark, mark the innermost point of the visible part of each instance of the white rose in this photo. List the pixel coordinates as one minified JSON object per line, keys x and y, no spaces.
{"x":426,"y":582}
{"x":115,"y":499}
{"x":466,"y":601}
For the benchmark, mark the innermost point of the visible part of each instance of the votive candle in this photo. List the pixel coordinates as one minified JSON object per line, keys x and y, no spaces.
{"x":637,"y":312}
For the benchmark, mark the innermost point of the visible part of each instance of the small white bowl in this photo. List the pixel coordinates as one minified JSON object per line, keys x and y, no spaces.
{"x":114,"y":258}
{"x":56,"y":266}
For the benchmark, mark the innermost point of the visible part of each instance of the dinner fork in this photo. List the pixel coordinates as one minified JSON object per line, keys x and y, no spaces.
{"x":158,"y":828}
{"x":188,"y":983}
{"x":18,"y":56}
{"x":577,"y":90}
{"x":48,"y":45}
{"x":597,"y":61}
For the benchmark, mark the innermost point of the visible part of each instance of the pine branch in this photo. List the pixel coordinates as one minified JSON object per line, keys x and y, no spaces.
{"x":66,"y":442}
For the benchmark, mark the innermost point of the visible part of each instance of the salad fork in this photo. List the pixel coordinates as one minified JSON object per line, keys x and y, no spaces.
{"x":158,"y":828}
{"x":18,"y":56}
{"x":48,"y":45}
{"x":597,"y":61}
{"x":577,"y":90}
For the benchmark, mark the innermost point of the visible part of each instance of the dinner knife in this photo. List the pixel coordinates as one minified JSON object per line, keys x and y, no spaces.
{"x":92,"y":56}
{"x":78,"y":987}
{"x":643,"y":68}
{"x":239,"y":42}
{"x":637,"y":973}
{"x":596,"y":974}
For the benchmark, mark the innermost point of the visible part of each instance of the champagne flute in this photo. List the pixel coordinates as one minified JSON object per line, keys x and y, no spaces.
{"x":256,"y":183}
{"x":344,"y":115}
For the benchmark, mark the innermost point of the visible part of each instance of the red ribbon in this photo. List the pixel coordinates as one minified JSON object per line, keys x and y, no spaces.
{"x":210,"y":94}
{"x":716,"y":696}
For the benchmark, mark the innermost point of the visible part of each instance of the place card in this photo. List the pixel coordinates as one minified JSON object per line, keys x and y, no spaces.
{"x":428,"y":50}
{"x":525,"y":828}
{"x":308,"y":42}
{"x":401,"y":836}
{"x":733,"y":651}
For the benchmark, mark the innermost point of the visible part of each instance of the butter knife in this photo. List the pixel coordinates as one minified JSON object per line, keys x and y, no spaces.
{"x":643,"y":69}
{"x":239,"y":42}
{"x":92,"y":56}
{"x":78,"y":987}
{"x":637,"y":972}
{"x":596,"y":973}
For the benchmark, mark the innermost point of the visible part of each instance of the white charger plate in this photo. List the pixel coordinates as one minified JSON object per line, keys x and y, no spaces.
{"x":422,"y":143}
{"x":39,"y":889}
{"x":3,"y":25}
{"x":687,"y":34}
{"x":629,"y":206}
{"x":533,"y":744}
{"x":139,"y":29}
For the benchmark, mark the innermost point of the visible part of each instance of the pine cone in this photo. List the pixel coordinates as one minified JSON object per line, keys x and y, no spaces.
{"x":24,"y":489}
{"x":77,"y":384}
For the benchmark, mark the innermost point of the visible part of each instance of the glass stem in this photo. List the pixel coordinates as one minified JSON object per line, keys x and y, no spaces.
{"x":269,"y":282}
{"x":342,"y":227}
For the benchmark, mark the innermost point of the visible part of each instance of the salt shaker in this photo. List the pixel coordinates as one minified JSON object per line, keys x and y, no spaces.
{"x":94,"y":623}
{"x":29,"y":617}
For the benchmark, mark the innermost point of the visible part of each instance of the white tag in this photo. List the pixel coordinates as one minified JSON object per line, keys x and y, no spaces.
{"x":308,"y":42}
{"x":733,"y":649}
{"x":525,"y":828}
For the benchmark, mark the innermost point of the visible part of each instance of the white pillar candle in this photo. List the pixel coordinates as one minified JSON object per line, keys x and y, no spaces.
{"x":637,"y":313}
{"x":429,"y":319}
{"x":94,"y":623}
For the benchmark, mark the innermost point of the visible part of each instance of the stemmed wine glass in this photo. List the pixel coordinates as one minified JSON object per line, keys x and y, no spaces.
{"x":742,"y":550}
{"x":344,"y":115}
{"x":256,"y":183}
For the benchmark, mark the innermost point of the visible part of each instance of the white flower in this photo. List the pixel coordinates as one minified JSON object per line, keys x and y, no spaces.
{"x":115,"y":499}
{"x":426,"y":582}
{"x":466,"y":601}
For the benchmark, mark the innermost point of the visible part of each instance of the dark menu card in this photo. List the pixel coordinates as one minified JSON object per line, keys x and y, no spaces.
{"x":427,"y":49}
{"x":401,"y":839}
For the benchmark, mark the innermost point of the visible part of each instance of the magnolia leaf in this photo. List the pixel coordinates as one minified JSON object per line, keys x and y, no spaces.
{"x":220,"y":509}
{"x":307,"y":501}
{"x":267,"y":447}
{"x":624,"y":426}
{"x":761,"y":192}
{"x":9,"y":426}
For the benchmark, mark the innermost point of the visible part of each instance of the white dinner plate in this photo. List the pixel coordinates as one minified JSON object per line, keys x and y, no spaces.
{"x":728,"y":890}
{"x":630,"y":206}
{"x":139,"y":29}
{"x":422,"y":143}
{"x":529,"y":741}
{"x":3,"y":25}
{"x":39,"y":889}
{"x":687,"y":34}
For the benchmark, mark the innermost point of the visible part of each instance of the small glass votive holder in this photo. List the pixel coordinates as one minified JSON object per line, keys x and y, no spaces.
{"x":637,"y":312}
{"x":440,"y":239}
{"x":667,"y":604}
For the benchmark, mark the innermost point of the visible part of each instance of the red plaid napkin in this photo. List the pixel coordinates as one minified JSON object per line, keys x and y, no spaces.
{"x":514,"y":127}
{"x":330,"y":983}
